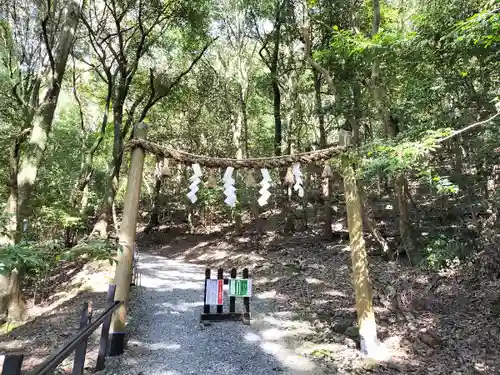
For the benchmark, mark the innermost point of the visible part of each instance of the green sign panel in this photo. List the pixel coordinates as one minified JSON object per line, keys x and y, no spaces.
{"x":240,"y":287}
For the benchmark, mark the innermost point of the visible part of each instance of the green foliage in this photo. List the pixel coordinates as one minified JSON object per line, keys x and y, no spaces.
{"x":51,"y":222}
{"x":25,"y":256}
{"x":444,"y":251}
{"x":34,"y":257}
{"x":91,"y":249}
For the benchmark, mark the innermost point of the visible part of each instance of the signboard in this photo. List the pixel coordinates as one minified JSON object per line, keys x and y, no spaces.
{"x":215,"y":292}
{"x":240,"y":287}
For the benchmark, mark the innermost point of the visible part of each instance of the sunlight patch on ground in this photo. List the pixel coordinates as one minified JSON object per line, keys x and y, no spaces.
{"x":200,"y":245}
{"x":295,"y":326}
{"x":214,"y":255}
{"x":312,"y":280}
{"x":387,"y":351}
{"x":155,"y":346}
{"x":265,"y":280}
{"x":169,"y":285}
{"x":380,"y":310}
{"x":319,"y":302}
{"x":183,"y":306}
{"x":270,"y":294}
{"x":163,"y":346}
{"x":181,"y":275}
{"x":14,"y":344}
{"x":289,"y":358}
{"x":310,"y":348}
{"x":334,"y":293}
{"x":275,"y":334}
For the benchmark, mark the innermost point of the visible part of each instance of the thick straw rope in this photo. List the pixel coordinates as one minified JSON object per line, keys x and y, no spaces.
{"x":211,"y":162}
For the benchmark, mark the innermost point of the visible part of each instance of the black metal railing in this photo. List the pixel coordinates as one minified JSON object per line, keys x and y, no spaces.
{"x":77,"y":343}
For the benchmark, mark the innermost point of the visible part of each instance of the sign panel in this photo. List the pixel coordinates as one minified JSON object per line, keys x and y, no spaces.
{"x":215,"y":292}
{"x":240,"y":287}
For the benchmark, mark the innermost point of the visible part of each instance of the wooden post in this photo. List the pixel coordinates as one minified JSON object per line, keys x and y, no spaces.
{"x":361,"y":276}
{"x":123,"y":272}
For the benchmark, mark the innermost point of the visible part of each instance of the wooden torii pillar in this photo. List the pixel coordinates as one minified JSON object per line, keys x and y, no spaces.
{"x":360,"y":272}
{"x":123,"y":271}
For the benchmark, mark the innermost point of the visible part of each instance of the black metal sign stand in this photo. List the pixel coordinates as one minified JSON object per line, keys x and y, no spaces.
{"x":207,"y":317}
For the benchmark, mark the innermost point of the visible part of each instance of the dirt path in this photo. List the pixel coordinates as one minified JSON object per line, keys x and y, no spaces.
{"x":167,"y":338}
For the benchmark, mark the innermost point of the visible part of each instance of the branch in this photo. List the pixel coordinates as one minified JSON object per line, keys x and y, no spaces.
{"x":314,"y":64}
{"x":469,"y":127}
{"x":77,"y":98}
{"x":261,"y":54}
{"x":46,"y":38}
{"x":153,"y":98}
{"x":18,"y":97}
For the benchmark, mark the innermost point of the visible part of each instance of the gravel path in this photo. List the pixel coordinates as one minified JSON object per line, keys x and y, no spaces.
{"x":166,"y":337}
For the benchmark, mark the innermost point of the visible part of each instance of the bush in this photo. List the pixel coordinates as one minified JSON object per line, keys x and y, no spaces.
{"x":444,"y":252}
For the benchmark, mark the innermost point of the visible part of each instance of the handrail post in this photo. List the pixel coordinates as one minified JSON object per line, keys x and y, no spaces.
{"x":104,"y":342}
{"x":81,"y":350}
{"x":123,"y":271}
{"x":12,"y":364}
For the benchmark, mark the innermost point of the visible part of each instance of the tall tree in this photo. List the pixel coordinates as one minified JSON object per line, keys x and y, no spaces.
{"x":45,"y":60}
{"x":121,"y":37}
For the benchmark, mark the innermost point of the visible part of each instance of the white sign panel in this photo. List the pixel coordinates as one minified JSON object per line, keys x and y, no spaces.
{"x":215,"y":292}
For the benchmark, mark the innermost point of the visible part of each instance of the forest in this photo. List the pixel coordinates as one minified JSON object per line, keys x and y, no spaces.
{"x":411,"y":89}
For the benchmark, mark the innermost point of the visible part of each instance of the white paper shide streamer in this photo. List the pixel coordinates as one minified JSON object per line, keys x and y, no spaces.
{"x":229,"y":189}
{"x":265,"y":185}
{"x":195,"y":180}
{"x":298,"y":180}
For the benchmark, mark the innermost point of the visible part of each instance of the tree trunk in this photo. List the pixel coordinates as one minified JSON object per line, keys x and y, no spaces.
{"x":361,"y":276}
{"x":404,"y":220}
{"x":327,"y":188}
{"x":237,"y":134}
{"x":289,"y":222}
{"x":305,"y":198}
{"x":42,"y":120}
{"x":154,"y":221}
{"x":84,"y":200}
{"x":391,"y":131}
{"x":13,"y":223}
{"x":327,"y":185}
{"x":319,"y":108}
{"x":275,"y":86}
{"x":115,"y":164}
{"x":86,"y":168}
{"x":17,"y":307}
{"x":29,"y":162}
{"x":372,"y":228}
